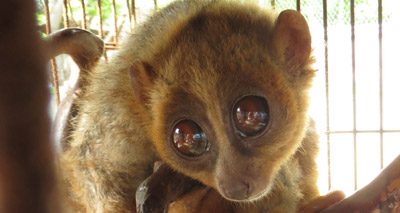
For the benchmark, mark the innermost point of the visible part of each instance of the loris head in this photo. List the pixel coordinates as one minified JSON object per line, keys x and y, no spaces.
{"x":227,"y":95}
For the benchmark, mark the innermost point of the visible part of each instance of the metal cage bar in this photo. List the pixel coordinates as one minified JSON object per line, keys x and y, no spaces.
{"x":353,"y":64}
{"x":52,"y":61}
{"x":134,"y":12}
{"x":155,"y":5}
{"x":325,"y":21}
{"x":129,"y":15}
{"x":84,"y":24}
{"x":380,"y":81}
{"x":131,"y":6}
{"x":101,"y":31}
{"x":362,"y":131}
{"x":100,"y":15}
{"x":298,"y":5}
{"x":65,"y":14}
{"x":114,"y":12}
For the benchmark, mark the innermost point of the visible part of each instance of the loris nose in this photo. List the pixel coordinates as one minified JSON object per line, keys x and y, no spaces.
{"x":236,"y":190}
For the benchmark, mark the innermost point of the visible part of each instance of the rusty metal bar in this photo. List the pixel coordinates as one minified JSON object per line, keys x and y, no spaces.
{"x":298,"y":6}
{"x":74,"y":23}
{"x":110,"y":46}
{"x":84,"y":24}
{"x":363,"y":131}
{"x":129,"y":14}
{"x":114,"y":11}
{"x":47,"y":14}
{"x":99,"y":13}
{"x":101,"y":32}
{"x":54,"y":72}
{"x":380,"y":80}
{"x":52,"y":61}
{"x":325,"y":16}
{"x":65,"y":13}
{"x":353,"y":57}
{"x":134,"y":12}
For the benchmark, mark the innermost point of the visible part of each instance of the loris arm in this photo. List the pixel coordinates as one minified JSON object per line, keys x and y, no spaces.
{"x":85,"y":48}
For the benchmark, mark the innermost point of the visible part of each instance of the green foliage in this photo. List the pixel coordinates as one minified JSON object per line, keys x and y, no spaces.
{"x":91,"y":9}
{"x":40,"y":17}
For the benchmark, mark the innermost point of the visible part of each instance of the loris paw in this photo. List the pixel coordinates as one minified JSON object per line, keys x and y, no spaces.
{"x":322,"y":202}
{"x":200,"y":199}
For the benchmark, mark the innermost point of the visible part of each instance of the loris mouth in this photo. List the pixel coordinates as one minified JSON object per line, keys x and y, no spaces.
{"x":244,"y":190}
{"x":247,"y":197}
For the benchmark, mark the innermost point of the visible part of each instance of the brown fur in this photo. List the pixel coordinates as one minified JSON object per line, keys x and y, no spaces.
{"x":193,"y":60}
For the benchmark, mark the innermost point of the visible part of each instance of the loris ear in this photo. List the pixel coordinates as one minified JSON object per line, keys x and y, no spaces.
{"x":291,"y":40}
{"x":142,"y":79}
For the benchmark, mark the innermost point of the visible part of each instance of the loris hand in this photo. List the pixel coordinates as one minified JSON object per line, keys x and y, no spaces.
{"x":201,"y":199}
{"x":322,"y":202}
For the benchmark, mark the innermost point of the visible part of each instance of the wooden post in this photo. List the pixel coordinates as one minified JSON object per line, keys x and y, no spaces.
{"x":27,"y":180}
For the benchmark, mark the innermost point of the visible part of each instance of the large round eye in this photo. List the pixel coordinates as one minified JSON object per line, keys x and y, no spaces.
{"x":251,"y":115}
{"x":189,"y":138}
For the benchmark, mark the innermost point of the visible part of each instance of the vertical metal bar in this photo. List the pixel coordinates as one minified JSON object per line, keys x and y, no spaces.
{"x":54,"y":72}
{"x":99,"y":13}
{"x":101,"y":32}
{"x":380,"y":79}
{"x":65,"y":16}
{"x":325,"y":16}
{"x":353,"y":58}
{"x":155,"y":5}
{"x":52,"y":61}
{"x":134,"y":12}
{"x":71,"y":13}
{"x":114,"y":11}
{"x":84,"y":24}
{"x":129,"y":14}
{"x":298,"y":5}
{"x":47,"y":14}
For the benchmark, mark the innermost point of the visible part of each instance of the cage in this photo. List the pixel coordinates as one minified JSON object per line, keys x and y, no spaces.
{"x":354,"y":97}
